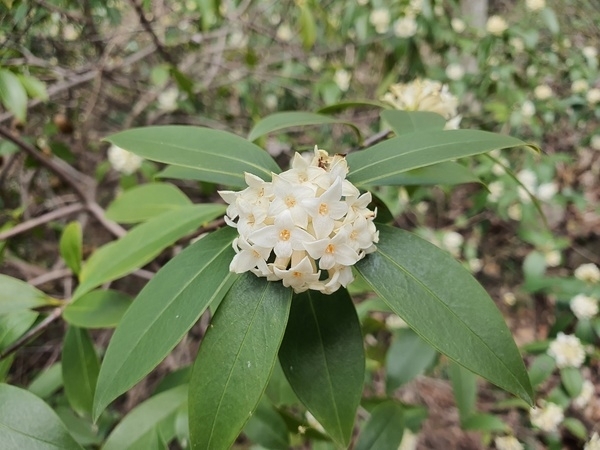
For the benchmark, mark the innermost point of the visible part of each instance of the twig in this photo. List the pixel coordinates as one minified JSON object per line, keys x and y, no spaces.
{"x":51,"y":7}
{"x":45,"y":218}
{"x":159,"y":45}
{"x":50,"y":276}
{"x":32,"y":333}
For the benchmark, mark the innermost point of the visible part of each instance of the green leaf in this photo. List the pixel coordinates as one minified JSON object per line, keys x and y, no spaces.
{"x":142,"y":244}
{"x":322,"y":357}
{"x":446,"y":306}
{"x":279,"y":391}
{"x":267,"y":428}
{"x":13,"y":94}
{"x":47,"y":382}
{"x":282,"y":120}
{"x":145,"y":202}
{"x":576,"y":427}
{"x":26,"y":422}
{"x":71,"y":247}
{"x":342,"y":106}
{"x":572,"y":380}
{"x":385,"y":428}
{"x":406,"y":122}
{"x":14,"y":325}
{"x":464,"y":385}
{"x":550,"y":20}
{"x":235,"y":360}
{"x":163,"y":312}
{"x":540,"y":369}
{"x":17,"y":295}
{"x":80,"y":366}
{"x":82,"y":429}
{"x":97,"y":309}
{"x":181,"y":173}
{"x":308,"y":27}
{"x":34,"y":87}
{"x":380,"y":164}
{"x":445,"y":173}
{"x":158,"y":413}
{"x":484,"y":422}
{"x":407,"y":357}
{"x":222,"y":157}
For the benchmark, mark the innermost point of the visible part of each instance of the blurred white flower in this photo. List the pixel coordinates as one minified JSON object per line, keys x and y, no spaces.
{"x":579,"y":86}
{"x":405,"y":27}
{"x":284,"y":33}
{"x":593,"y":443}
{"x":546,"y":191}
{"x":455,"y":71}
{"x":593,"y":96}
{"x":595,"y":142}
{"x":589,"y":52}
{"x":70,"y":32}
{"x":475,"y":265}
{"x":584,"y":307}
{"x":409,"y":440}
{"x":528,"y":108}
{"x":515,"y":212}
{"x":342,"y":78}
{"x":315,"y":63}
{"x":590,"y":273}
{"x":167,"y":99}
{"x":517,"y":44}
{"x":496,"y":190}
{"x":552,"y":258}
{"x":496,"y":25}
{"x":424,"y":95}
{"x":393,"y":322}
{"x":271,"y":101}
{"x":535,"y":5}
{"x":238,"y":39}
{"x":509,"y":298}
{"x":547,"y":417}
{"x":528,"y":178}
{"x":458,"y":25}
{"x":314,"y":423}
{"x":567,"y":351}
{"x":414,"y":7}
{"x":499,"y":168}
{"x":507,"y":443}
{"x":531,"y":71}
{"x":380,"y":18}
{"x":542,"y":92}
{"x":362,"y":2}
{"x":453,"y":241}
{"x":123,"y":161}
{"x":587,"y":392}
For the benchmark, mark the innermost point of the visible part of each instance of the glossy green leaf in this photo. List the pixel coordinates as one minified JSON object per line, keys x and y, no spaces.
{"x":406,"y":122}
{"x":26,"y":422}
{"x":34,"y":87}
{"x":14,"y":325}
{"x":279,"y":391}
{"x":541,"y":368}
{"x":380,"y":164}
{"x":445,"y":173}
{"x":181,"y":173}
{"x":82,"y":429}
{"x":407,"y":357}
{"x":322,"y":357}
{"x":550,"y":19}
{"x":384,"y":429}
{"x":97,"y":309}
{"x":222,"y":157}
{"x":163,"y":313}
{"x":342,"y":106}
{"x":235,"y":360}
{"x":446,"y":306}
{"x":174,"y":379}
{"x":572,"y":380}
{"x":142,"y":244}
{"x":146,"y":201}
{"x":267,"y":428}
{"x":13,"y":94}
{"x":308,"y":27}
{"x":576,"y":427}
{"x":17,"y":295}
{"x":158,"y":413}
{"x":484,"y":422}
{"x":80,"y":366}
{"x":288,"y":119}
{"x":47,"y":382}
{"x":71,"y":246}
{"x":464,"y":385}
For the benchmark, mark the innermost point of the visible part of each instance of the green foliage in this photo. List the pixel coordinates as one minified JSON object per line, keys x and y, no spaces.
{"x":384,"y":429}
{"x":71,"y":246}
{"x":16,"y":295}
{"x":97,"y":309}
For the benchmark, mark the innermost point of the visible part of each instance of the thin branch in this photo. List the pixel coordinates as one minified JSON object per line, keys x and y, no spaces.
{"x":45,"y":218}
{"x":50,"y":276}
{"x":148,"y":27}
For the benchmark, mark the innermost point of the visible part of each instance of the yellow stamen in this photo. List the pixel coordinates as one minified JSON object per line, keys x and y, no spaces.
{"x":330,"y":249}
{"x":323,"y":209}
{"x":290,"y":201}
{"x":284,"y":235}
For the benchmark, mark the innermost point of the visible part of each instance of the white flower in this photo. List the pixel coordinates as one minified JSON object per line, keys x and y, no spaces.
{"x":535,"y":5}
{"x":587,"y":392}
{"x":509,"y":298}
{"x":458,"y":25}
{"x":593,"y":96}
{"x":405,"y":27}
{"x":475,"y":265}
{"x":342,"y":79}
{"x":507,"y":443}
{"x":315,"y":63}
{"x":542,"y":92}
{"x":167,"y":99}
{"x":552,"y":258}
{"x":546,"y":191}
{"x":579,"y":86}
{"x":284,"y":33}
{"x":453,"y":241}
{"x":594,"y":443}
{"x":528,"y":108}
{"x":455,"y":72}
{"x":123,"y":161}
{"x":380,"y":18}
{"x":584,"y":307}
{"x":271,"y":101}
{"x":393,"y":322}
{"x":567,"y":351}
{"x":547,"y":418}
{"x":424,"y":95}
{"x":517,"y":44}
{"x":409,"y":440}
{"x":70,"y":33}
{"x":595,"y":142}
{"x":589,"y":52}
{"x":314,"y":423}
{"x":496,"y":25}
{"x":528,"y":178}
{"x":515,"y":212}
{"x":588,"y":273}
{"x":496,"y":190}
{"x":306,"y":222}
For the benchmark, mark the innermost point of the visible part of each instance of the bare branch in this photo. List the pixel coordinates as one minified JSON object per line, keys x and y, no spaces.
{"x":45,"y":218}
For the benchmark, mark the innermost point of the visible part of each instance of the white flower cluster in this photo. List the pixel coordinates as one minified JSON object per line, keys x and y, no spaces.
{"x":543,"y":192}
{"x":306,"y":221}
{"x":567,"y":351}
{"x":587,"y":392}
{"x":547,"y":418}
{"x":425,"y":95}
{"x":584,"y":307}
{"x":594,"y":443}
{"x":124,"y":161}
{"x":590,"y":273}
{"x":507,"y":443}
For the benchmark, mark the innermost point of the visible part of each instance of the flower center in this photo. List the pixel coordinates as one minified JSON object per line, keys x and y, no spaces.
{"x":330,"y":248}
{"x":323,"y":209}
{"x":284,"y":235}
{"x":297,"y":274}
{"x":354,"y":235}
{"x":290,"y":201}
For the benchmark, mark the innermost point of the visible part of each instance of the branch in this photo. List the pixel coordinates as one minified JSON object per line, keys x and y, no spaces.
{"x":45,"y":218}
{"x":148,"y":27}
